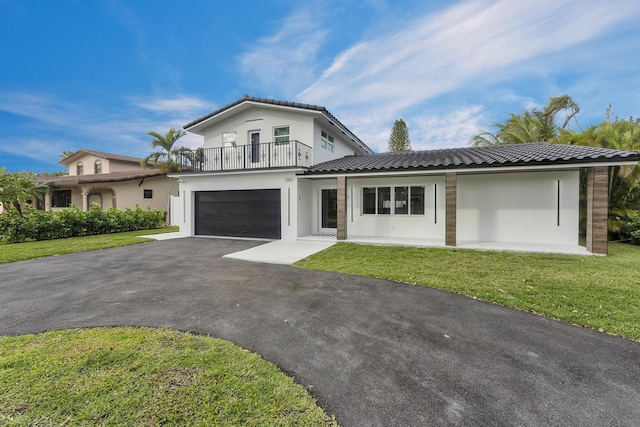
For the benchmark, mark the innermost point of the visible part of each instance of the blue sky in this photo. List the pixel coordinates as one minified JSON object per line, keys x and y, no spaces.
{"x":100,"y":74}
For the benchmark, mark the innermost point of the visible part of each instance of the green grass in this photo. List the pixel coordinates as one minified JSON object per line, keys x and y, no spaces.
{"x":22,"y":251}
{"x":140,"y":376}
{"x":597,"y":292}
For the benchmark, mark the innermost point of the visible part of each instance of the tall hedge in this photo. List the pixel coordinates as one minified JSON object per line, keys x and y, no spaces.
{"x":39,"y":225}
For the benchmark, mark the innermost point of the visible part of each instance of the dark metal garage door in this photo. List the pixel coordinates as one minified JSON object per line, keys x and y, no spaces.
{"x":238,"y":213}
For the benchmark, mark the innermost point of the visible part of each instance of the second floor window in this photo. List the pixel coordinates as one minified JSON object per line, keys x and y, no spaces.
{"x":79,"y":168}
{"x":229,"y":139}
{"x":326,"y":141}
{"x":281,"y":134}
{"x":97,"y":168}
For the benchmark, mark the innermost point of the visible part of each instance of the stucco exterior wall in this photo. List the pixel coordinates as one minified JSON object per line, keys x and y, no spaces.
{"x":88,"y":164}
{"x":303,"y":127}
{"x":118,"y":166}
{"x":428,"y":226}
{"x":519,"y":207}
{"x":127,"y":193}
{"x":108,"y":166}
{"x":283,"y":180}
{"x":263,"y":120}
{"x":306,"y":208}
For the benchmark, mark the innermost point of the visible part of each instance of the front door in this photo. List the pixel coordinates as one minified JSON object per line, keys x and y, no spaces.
{"x":255,"y":147}
{"x":329,"y":210}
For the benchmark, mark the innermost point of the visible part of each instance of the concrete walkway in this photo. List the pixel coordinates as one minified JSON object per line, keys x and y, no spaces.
{"x":372,"y":352}
{"x":275,"y":252}
{"x":280,"y":252}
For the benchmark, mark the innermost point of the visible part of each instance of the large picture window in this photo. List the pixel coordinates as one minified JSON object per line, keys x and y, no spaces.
{"x":61,"y":198}
{"x":400,"y":200}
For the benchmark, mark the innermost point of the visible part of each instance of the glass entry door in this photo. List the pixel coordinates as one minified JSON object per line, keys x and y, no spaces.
{"x":329,"y":213}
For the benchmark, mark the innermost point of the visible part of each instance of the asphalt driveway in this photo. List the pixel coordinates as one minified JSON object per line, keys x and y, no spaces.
{"x":372,"y":352}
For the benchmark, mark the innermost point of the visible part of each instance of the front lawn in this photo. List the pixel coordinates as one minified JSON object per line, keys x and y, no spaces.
{"x":140,"y":376}
{"x":12,"y":252}
{"x":597,"y":292}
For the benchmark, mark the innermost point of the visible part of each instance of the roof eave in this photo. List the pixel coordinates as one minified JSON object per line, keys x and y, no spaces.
{"x":462,"y":168}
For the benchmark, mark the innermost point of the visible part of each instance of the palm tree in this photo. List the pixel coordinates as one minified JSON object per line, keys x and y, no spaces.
{"x":166,"y":158}
{"x":18,"y":189}
{"x":531,"y":125}
{"x":624,"y":181}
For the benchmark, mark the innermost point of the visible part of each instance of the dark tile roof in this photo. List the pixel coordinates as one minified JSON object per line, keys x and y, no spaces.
{"x":535,"y":154}
{"x":100,"y":154}
{"x":312,"y":107}
{"x":64,"y":180}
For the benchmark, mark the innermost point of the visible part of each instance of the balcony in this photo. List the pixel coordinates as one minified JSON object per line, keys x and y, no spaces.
{"x":246,"y":157}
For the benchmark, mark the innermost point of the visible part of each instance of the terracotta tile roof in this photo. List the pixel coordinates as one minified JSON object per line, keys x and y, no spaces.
{"x":311,"y":107}
{"x":534,"y":154}
{"x":100,"y":154}
{"x":63,"y":180}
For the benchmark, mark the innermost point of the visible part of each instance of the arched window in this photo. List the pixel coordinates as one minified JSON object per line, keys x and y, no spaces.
{"x":98,"y":167}
{"x":79,"y":168}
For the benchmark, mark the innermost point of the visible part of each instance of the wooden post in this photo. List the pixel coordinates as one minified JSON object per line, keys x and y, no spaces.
{"x":597,"y":209}
{"x":451,"y":189}
{"x":342,"y":208}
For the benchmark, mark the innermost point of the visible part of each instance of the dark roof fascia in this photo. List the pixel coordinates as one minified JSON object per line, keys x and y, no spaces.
{"x":444,"y":168}
{"x":266,"y":101}
{"x":472,"y":158}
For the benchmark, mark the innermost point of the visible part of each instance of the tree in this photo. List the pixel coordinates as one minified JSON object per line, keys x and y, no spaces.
{"x":65,"y":154}
{"x":166,"y":158}
{"x":532,"y":125}
{"x":399,"y":138}
{"x":624,"y":181}
{"x":19,"y":189}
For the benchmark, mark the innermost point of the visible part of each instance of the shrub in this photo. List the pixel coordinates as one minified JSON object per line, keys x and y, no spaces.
{"x":631,"y":230}
{"x":72,"y":222}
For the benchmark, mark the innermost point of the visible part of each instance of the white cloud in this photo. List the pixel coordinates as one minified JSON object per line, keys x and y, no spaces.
{"x":122,"y":130}
{"x":427,"y":130}
{"x":284,"y":61}
{"x":477,"y":42}
{"x":33,"y":148}
{"x":437,"y":53}
{"x":452,"y":129}
{"x":180,"y":106}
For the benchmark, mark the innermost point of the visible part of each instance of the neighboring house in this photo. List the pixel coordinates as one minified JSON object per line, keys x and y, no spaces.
{"x":284,"y":170}
{"x":110,"y":180}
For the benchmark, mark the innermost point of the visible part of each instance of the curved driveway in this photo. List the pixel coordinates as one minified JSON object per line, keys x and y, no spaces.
{"x":372,"y":352}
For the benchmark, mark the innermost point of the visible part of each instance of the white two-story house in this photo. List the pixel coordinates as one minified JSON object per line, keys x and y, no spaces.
{"x":244,"y":182}
{"x":284,"y":170}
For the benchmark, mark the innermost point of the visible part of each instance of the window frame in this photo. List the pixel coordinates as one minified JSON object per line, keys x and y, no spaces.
{"x":56,"y":195}
{"x":147,"y":194}
{"x":230,"y":143}
{"x":79,"y":168}
{"x":97,"y":167}
{"x":278,"y":139}
{"x":379,"y":207}
{"x":327,"y":141}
